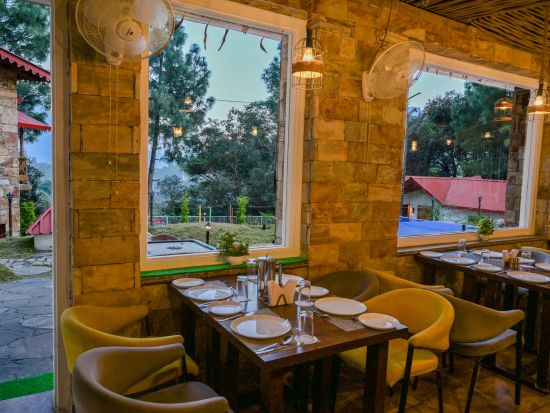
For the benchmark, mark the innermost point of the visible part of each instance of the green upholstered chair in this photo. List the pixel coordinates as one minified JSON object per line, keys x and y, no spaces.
{"x":102,"y":376}
{"x":357,"y":285}
{"x":388,"y":281}
{"x":479,"y":331}
{"x":429,"y":318}
{"x":87,"y":327}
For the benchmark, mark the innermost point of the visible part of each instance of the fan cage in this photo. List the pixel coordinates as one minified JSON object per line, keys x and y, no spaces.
{"x":308,"y":66}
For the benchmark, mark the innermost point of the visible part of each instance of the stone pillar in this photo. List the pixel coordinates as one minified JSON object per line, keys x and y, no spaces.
{"x":104,"y":174}
{"x":9,"y":161}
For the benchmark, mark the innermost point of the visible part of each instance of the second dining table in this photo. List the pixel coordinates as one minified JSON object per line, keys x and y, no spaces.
{"x":333,"y":334}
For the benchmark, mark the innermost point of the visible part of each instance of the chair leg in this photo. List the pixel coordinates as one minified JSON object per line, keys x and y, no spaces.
{"x":439,"y":390}
{"x":451,"y":362}
{"x":519,"y":341}
{"x":415,"y":383}
{"x":336,"y":367}
{"x":472,"y":384}
{"x":444,"y":359}
{"x":406,"y":380}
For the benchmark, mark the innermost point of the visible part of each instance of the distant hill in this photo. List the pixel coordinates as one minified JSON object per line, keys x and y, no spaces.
{"x":45,"y":168}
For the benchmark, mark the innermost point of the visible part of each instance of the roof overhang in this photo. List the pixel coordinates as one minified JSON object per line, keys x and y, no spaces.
{"x":25,"y":69}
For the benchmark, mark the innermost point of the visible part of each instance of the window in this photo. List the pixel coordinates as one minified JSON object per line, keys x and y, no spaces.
{"x":464,"y":159}
{"x":224,"y":137}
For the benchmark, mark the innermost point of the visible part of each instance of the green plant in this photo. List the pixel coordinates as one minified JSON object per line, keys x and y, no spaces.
{"x":28,"y":215}
{"x":185,"y":209}
{"x":242,"y":203}
{"x":228,"y":246}
{"x":485,"y":226}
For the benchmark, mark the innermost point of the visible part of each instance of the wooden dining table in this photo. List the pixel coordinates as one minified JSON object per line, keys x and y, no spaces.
{"x":332,"y":340}
{"x":539,"y":295}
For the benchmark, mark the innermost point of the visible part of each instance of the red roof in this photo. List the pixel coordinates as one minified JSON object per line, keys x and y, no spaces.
{"x":462,"y":193}
{"x":26,"y":122}
{"x":43,"y":225}
{"x":25,"y":69}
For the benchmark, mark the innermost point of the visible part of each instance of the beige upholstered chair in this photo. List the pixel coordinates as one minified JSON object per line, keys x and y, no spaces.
{"x":389,"y":282}
{"x":357,"y":285}
{"x":103,"y":375}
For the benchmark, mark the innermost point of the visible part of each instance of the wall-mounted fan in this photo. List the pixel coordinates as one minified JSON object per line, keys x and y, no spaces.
{"x":394,"y":71}
{"x":125,"y":30}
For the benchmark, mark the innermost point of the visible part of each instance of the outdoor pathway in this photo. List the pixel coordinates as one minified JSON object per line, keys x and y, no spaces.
{"x":26,"y":328}
{"x":39,"y":263}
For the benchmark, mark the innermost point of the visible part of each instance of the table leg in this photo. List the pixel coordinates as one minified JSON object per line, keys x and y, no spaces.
{"x":188,"y":324}
{"x":469,"y":287}
{"x":375,"y":378}
{"x":272,"y":391}
{"x":543,"y":359}
{"x":214,"y":360}
{"x":300,"y":387}
{"x":321,"y":399}
{"x":428,"y":276}
{"x":510,"y":297}
{"x":493,"y":294}
{"x":531,"y":319}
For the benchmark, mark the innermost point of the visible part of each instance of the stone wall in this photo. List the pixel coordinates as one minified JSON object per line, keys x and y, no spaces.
{"x":9,"y":163}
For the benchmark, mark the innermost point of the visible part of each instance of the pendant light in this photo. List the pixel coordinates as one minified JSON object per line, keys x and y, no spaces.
{"x":449,"y":141}
{"x":540,"y":103}
{"x":308,"y":66}
{"x":254,"y":131}
{"x":187,"y":102}
{"x":488,"y":135}
{"x":414,"y":145}
{"x":177,"y":131}
{"x":503,"y":110}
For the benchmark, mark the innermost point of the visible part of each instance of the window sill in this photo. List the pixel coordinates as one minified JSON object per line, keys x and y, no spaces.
{"x":209,"y":271}
{"x":470,"y":244}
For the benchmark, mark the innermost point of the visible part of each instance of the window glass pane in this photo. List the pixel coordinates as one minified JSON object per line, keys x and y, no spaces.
{"x":463,"y":158}
{"x":216,"y":138}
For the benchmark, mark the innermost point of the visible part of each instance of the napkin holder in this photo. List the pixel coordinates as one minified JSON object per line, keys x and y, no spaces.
{"x":277,"y":295}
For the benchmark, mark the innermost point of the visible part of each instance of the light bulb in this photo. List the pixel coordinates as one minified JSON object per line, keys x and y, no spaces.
{"x":488,"y":135}
{"x":308,"y":55}
{"x":254,"y":131}
{"x":414,"y":146}
{"x":187,"y":100}
{"x":449,"y":141}
{"x":539,"y":100}
{"x":178,"y":131}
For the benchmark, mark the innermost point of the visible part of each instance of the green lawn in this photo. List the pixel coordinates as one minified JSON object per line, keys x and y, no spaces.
{"x":7,"y":275}
{"x":17,"y":247}
{"x":252,"y":234}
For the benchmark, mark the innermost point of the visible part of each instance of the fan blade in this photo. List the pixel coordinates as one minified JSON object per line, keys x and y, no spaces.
{"x":151,"y":12}
{"x":115,"y":43}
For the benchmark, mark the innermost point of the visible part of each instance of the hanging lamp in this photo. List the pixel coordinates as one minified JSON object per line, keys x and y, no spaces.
{"x":254,"y":131}
{"x":187,"y":102}
{"x":503,"y":110}
{"x":414,"y":145}
{"x":449,"y":141}
{"x":540,"y":103}
{"x":488,"y":135}
{"x":177,"y":131}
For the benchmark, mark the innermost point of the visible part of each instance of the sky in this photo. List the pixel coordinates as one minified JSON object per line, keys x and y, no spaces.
{"x":432,"y":85}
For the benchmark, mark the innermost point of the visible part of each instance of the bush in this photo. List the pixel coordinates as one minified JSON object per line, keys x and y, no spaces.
{"x":242,"y":203}
{"x":228,"y":246}
{"x":185,"y":209}
{"x":485,"y":226}
{"x":27,"y":215}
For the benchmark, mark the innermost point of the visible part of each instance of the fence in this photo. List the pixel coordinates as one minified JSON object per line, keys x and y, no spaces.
{"x":160,"y":220}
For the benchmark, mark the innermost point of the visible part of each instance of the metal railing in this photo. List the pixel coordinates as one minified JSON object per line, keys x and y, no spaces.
{"x":161,"y":220}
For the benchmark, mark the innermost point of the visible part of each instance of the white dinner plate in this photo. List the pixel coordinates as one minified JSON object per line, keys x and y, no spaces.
{"x":340,"y":306}
{"x":458,"y":260}
{"x":225,"y":308}
{"x":486,"y":267}
{"x":260,"y":326}
{"x":431,"y":254}
{"x":492,"y":254}
{"x":378,"y":321}
{"x":188,"y":282}
{"x":543,"y":266}
{"x":316,"y":291}
{"x":287,"y":277}
{"x":528,"y":276}
{"x":208,"y":292}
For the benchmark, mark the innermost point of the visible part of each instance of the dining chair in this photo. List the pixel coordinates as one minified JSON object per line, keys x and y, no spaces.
{"x":87,"y":327}
{"x":102,"y":377}
{"x":479,"y":332}
{"x":538,"y":254}
{"x":388,"y":281}
{"x":357,"y":285}
{"x":429,"y":318}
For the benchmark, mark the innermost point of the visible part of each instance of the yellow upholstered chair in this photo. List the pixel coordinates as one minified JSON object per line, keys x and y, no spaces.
{"x":389,"y":282}
{"x":87,"y":327}
{"x":429,"y":318}
{"x":357,"y":285}
{"x":479,"y":331}
{"x":102,"y":377}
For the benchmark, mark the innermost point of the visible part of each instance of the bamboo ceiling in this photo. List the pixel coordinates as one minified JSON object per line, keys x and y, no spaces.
{"x":519,"y":23}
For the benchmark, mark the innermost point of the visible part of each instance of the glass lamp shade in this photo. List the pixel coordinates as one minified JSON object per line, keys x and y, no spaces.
{"x":503,"y":110}
{"x":449,"y":141}
{"x":177,"y":131}
{"x":488,"y":135}
{"x":539,"y":104}
{"x":308,"y":66}
{"x":187,"y":102}
{"x":414,"y":146}
{"x":254,"y":131}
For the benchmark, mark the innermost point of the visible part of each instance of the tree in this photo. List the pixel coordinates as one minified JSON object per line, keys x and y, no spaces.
{"x":40,"y":192}
{"x":173,"y":76}
{"x":25,"y":31}
{"x":172,"y":189}
{"x":242,"y":202}
{"x":185,"y":209}
{"x":28,"y":216}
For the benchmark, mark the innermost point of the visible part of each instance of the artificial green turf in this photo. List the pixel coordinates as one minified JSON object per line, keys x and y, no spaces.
{"x":26,"y":386}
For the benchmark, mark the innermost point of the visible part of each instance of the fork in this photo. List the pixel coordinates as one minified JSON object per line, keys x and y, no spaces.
{"x":236,"y":316}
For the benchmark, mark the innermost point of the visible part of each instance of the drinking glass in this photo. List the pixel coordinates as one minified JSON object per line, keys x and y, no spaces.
{"x":485,"y":255}
{"x":242,"y":288}
{"x":305,"y":331}
{"x":526,"y":255}
{"x":304,"y":294}
{"x":252,"y":269}
{"x":461,"y":247}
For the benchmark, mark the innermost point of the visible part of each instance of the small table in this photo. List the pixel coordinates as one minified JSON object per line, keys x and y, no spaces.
{"x":494,"y":290}
{"x":332,"y":340}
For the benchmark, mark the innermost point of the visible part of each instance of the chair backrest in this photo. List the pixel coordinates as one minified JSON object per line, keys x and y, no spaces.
{"x":427,"y":315}
{"x":538,"y":254}
{"x":357,"y":285}
{"x":103,"y":374}
{"x":474,"y":323}
{"x":389,"y":282}
{"x":87,"y":327}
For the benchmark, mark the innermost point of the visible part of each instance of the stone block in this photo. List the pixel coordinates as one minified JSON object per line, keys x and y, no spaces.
{"x":91,"y":194}
{"x":90,"y":109}
{"x":352,"y":253}
{"x":333,"y":172}
{"x":355,"y":131}
{"x":324,"y":213}
{"x":387,"y":174}
{"x":100,"y":278}
{"x":384,"y":193}
{"x":110,"y":139}
{"x":339,"y":109}
{"x":104,"y":167}
{"x":329,"y":129}
{"x":350,"y":87}
{"x":325,"y":192}
{"x":324,"y":254}
{"x":106,"y":81}
{"x":125,"y":194}
{"x":354,"y":192}
{"x":345,"y":231}
{"x":336,"y":9}
{"x":319,"y":234}
{"x":348,"y":47}
{"x":103,"y":251}
{"x":94,"y":223}
{"x":332,"y":151}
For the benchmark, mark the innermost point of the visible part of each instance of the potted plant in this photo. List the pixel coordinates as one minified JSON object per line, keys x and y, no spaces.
{"x":485,"y":227}
{"x":232,"y":250}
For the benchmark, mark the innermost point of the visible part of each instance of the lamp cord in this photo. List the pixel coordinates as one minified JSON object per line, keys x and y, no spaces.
{"x":543,"y":64}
